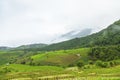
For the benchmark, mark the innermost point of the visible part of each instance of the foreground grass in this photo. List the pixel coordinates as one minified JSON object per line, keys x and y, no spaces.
{"x":94,"y":78}
{"x":24,"y":72}
{"x":96,"y":71}
{"x":28,"y":68}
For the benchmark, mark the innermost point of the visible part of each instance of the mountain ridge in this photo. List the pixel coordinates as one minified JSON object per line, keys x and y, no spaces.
{"x":77,"y":33}
{"x":108,"y":36}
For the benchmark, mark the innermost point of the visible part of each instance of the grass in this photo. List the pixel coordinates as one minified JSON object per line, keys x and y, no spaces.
{"x":111,"y":71}
{"x":2,"y":52}
{"x":81,"y":51}
{"x":26,"y":71}
{"x":61,"y":57}
{"x":23,"y":72}
{"x":95,"y":78}
{"x":28,"y":68}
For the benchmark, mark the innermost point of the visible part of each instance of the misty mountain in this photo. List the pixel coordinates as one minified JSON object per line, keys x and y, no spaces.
{"x":73,"y":34}
{"x":108,"y":36}
{"x":32,"y":46}
{"x":4,"y":48}
{"x":77,"y":34}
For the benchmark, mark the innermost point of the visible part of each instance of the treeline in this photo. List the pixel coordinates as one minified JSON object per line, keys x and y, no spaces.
{"x":108,"y":53}
{"x":107,"y":64}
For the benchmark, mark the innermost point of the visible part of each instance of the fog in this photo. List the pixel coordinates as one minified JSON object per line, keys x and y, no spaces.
{"x":39,"y":21}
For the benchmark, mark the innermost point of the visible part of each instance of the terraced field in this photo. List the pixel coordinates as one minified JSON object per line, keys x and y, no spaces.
{"x":61,"y":57}
{"x":26,"y":72}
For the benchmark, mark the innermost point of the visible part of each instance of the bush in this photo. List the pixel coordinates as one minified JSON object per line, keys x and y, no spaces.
{"x":117,"y":62}
{"x":91,"y":62}
{"x":105,"y":65}
{"x":5,"y":70}
{"x":102,"y":64}
{"x":111,"y":63}
{"x":71,"y":65}
{"x":87,"y":67}
{"x":80,"y":64}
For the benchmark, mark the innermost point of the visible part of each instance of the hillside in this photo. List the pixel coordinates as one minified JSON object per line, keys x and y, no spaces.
{"x":4,"y":48}
{"x":67,"y":58}
{"x":108,"y":36}
{"x":9,"y":56}
{"x":31,"y":46}
{"x":61,"y":57}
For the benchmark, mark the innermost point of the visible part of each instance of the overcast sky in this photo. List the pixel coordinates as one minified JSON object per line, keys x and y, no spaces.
{"x":38,"y":21}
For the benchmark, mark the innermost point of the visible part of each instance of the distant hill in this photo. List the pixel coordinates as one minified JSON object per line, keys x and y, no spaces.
{"x":108,"y":36}
{"x":4,"y":48}
{"x":12,"y":54}
{"x":32,"y":46}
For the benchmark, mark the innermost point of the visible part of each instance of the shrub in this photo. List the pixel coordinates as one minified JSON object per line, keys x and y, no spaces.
{"x":71,"y":65}
{"x":102,"y":64}
{"x":98,"y":63}
{"x":80,"y":64}
{"x":91,"y":62}
{"x":111,"y":63}
{"x":87,"y":67}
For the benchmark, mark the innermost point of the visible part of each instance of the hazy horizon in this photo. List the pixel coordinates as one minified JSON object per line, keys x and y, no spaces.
{"x":39,"y":21}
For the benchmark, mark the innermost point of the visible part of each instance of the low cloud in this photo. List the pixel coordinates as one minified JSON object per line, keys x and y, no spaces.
{"x":30,"y":21}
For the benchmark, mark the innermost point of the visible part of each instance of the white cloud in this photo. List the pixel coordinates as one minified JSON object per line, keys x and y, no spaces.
{"x":30,"y":21}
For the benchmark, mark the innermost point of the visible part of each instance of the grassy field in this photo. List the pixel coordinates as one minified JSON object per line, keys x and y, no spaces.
{"x":27,"y":68}
{"x":55,"y":70}
{"x":61,"y":57}
{"x":24,"y":72}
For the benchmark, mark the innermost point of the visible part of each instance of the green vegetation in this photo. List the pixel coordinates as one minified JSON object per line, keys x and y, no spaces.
{"x":94,"y":57}
{"x":28,"y":68}
{"x":61,"y":57}
{"x":7,"y":56}
{"x":107,"y":53}
{"x":65,"y":62}
{"x":17,"y":71}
